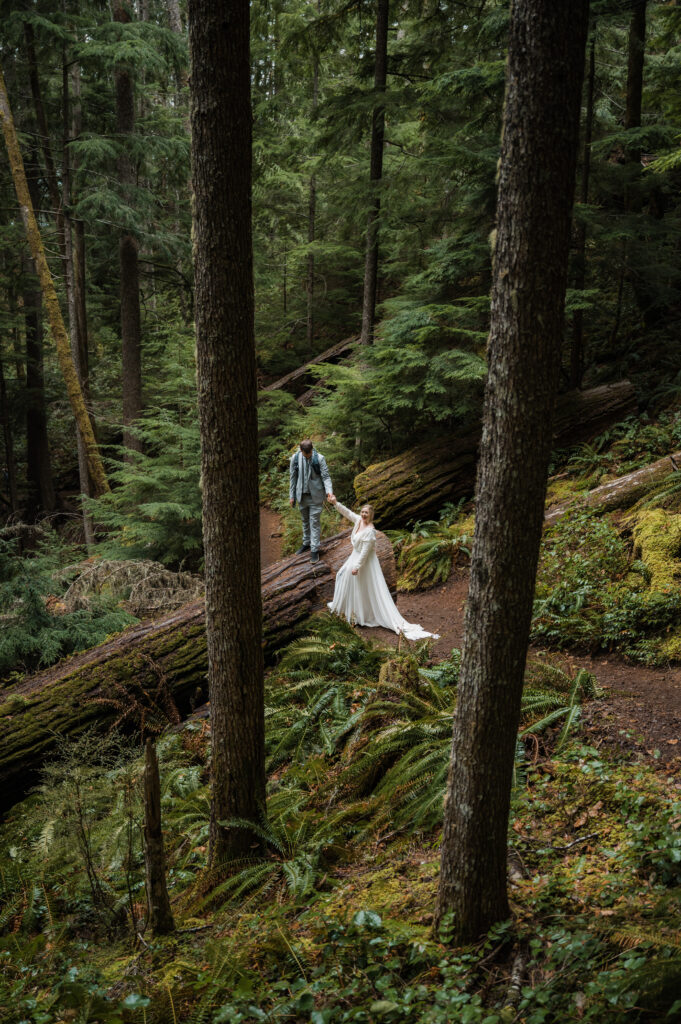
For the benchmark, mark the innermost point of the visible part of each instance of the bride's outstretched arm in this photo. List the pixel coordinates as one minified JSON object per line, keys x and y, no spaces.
{"x":348,"y":513}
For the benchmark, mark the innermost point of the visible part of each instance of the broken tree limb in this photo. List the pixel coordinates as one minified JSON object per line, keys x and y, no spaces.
{"x":154,"y":672}
{"x":298,"y":377}
{"x":417,"y":484}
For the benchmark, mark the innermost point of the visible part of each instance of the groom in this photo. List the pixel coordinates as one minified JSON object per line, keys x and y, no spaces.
{"x":309,"y":484}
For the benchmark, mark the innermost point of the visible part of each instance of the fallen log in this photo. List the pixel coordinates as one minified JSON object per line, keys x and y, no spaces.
{"x":415,"y":485}
{"x":621,"y":493}
{"x":155,"y":672}
{"x":299,"y":375}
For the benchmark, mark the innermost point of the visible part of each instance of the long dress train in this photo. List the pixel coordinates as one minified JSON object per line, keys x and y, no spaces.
{"x":364,"y":599}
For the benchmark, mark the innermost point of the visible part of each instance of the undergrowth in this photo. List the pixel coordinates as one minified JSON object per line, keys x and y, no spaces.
{"x":37,"y":627}
{"x":332,"y":922}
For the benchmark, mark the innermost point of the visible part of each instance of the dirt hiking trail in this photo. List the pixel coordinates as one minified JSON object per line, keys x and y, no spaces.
{"x":640,"y":713}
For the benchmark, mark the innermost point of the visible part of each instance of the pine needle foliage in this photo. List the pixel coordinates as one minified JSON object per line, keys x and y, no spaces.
{"x":154,"y":508}
{"x":37,"y":630}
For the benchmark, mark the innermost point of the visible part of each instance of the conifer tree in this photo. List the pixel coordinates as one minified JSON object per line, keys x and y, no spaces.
{"x":221,"y":176}
{"x":536,"y":184}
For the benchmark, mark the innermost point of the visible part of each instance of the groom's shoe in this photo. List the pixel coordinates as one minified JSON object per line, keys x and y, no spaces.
{"x":305,"y":547}
{"x":314,"y":556}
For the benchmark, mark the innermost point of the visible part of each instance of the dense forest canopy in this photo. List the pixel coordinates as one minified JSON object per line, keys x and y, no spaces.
{"x":373,"y":172}
{"x":313,"y":94}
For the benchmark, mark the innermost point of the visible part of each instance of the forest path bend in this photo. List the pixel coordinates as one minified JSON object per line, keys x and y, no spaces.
{"x":641,"y":712}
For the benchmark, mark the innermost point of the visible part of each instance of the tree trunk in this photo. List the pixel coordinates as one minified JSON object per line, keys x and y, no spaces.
{"x":577,"y":350}
{"x":70,"y":274}
{"x":536,"y":189}
{"x":635,"y":59}
{"x":221,"y":122}
{"x":419,"y":482}
{"x":155,"y":669}
{"x":375,"y":173}
{"x":311,"y":216}
{"x":131,"y":327}
{"x":50,"y":296}
{"x":79,"y":291}
{"x":10,"y":462}
{"x":41,"y":496}
{"x":36,"y":94}
{"x":160,"y":916}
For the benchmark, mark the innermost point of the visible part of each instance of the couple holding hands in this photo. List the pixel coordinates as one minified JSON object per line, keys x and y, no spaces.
{"x":361,"y":594}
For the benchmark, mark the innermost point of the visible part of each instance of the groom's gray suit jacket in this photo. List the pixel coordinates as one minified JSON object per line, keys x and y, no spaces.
{"x":319,"y":485}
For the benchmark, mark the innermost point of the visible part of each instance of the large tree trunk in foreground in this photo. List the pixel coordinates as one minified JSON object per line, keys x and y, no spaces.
{"x":221,"y":121}
{"x":536,"y":187}
{"x":155,"y":669}
{"x":416,"y":484}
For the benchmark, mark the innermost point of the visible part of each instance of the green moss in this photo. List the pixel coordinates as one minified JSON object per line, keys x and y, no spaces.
{"x":561,"y":489}
{"x":657,"y":540}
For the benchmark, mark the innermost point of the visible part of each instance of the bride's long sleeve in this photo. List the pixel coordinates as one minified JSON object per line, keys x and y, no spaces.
{"x":368,"y":545}
{"x":348,"y":513}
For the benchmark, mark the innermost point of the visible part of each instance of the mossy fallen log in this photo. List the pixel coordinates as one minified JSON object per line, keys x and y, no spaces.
{"x":416,"y":484}
{"x":155,"y":672}
{"x":621,"y":493}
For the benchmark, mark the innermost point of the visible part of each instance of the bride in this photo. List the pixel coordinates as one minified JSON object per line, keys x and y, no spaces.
{"x":361,"y":594}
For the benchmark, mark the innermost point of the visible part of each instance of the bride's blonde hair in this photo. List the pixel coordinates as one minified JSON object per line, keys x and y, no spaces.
{"x":370,"y":509}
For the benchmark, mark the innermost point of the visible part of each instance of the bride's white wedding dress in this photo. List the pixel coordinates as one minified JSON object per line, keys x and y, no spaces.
{"x":364,"y":599}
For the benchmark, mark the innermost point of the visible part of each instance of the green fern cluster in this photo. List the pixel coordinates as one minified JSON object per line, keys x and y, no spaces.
{"x":426,"y":554}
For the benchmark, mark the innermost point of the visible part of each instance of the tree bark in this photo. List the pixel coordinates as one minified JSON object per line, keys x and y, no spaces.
{"x":635,"y":60}
{"x":128,"y":248}
{"x":311,"y":215}
{"x":536,"y":189}
{"x":419,"y":482}
{"x":577,"y":350}
{"x":10,"y":461}
{"x":160,"y":916}
{"x":49,"y":294}
{"x":155,"y":669}
{"x":375,"y":173}
{"x":70,"y":274}
{"x":221,"y":122}
{"x":41,"y":496}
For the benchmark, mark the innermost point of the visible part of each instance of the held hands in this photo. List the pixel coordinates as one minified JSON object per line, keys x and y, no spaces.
{"x":331,"y":498}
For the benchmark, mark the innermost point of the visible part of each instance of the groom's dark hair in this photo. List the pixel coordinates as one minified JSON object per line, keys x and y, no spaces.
{"x":306,"y":446}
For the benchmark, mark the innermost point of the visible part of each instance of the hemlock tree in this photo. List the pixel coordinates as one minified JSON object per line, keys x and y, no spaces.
{"x":128,"y":251}
{"x":536,"y":185}
{"x":221,"y":172}
{"x":375,"y":172}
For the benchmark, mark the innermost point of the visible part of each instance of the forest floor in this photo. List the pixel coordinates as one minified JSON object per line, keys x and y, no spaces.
{"x":640,"y":712}
{"x":641,"y":709}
